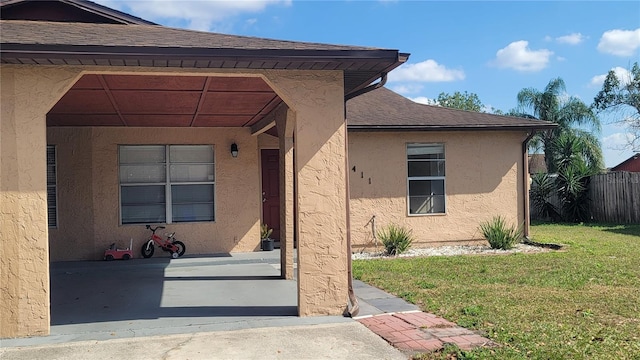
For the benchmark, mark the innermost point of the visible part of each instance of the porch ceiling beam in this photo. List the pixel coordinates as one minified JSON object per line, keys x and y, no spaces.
{"x":107,"y":90}
{"x":203,"y":94}
{"x":264,"y":124}
{"x":270,"y":105}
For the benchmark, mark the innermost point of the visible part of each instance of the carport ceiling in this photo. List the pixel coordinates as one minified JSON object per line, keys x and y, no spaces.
{"x":164,"y":101}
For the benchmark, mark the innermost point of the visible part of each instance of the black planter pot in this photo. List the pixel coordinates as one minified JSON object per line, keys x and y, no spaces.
{"x":267,"y":244}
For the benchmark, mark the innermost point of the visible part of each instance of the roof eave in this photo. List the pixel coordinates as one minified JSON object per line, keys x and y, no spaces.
{"x":402,"y":128}
{"x":89,"y":52}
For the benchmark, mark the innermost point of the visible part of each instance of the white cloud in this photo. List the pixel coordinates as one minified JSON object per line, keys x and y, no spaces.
{"x":621,"y":73}
{"x":618,"y":141}
{"x":407,"y":88}
{"x":560,"y":58}
{"x":571,"y":39}
{"x":518,"y":56}
{"x":426,"y":71}
{"x":620,"y":42}
{"x":197,"y":14}
{"x":424,"y":100}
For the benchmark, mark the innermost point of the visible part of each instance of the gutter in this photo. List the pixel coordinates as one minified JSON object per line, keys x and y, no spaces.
{"x":353,"y":300}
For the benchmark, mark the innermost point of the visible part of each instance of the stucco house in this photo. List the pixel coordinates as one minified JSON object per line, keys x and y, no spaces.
{"x":438,"y":171}
{"x":110,"y":122}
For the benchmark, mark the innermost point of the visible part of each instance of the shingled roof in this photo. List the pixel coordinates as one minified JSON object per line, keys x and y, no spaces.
{"x":76,"y":43}
{"x":66,"y":10}
{"x":384,"y":110}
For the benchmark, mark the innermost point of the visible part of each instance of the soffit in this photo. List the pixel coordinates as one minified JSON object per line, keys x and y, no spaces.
{"x":164,"y":101}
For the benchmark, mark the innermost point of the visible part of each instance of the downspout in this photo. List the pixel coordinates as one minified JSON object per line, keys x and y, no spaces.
{"x":525,"y":183}
{"x":355,"y":308}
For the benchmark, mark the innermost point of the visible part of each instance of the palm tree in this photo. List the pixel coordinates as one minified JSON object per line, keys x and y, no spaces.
{"x":567,"y":111}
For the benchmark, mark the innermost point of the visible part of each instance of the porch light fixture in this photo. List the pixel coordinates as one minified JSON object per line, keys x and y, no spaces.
{"x":234,"y":150}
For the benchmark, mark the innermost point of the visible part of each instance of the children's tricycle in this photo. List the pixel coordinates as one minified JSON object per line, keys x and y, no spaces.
{"x":113,"y":253}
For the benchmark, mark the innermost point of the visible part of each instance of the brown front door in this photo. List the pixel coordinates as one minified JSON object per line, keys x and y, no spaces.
{"x":271,"y":190}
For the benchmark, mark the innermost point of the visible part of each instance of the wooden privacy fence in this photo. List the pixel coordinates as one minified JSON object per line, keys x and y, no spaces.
{"x":614,"y":198}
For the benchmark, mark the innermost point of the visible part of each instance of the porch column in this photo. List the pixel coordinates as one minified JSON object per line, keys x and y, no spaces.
{"x":285,"y":122}
{"x":317,"y":97}
{"x":27,"y":94}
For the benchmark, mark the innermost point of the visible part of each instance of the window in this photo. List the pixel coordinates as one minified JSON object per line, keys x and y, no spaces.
{"x":426,"y":179}
{"x":166,"y":184}
{"x":52,"y":190}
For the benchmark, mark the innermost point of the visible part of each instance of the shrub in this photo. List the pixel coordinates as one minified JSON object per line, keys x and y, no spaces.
{"x":265,"y":231}
{"x":396,"y":239}
{"x":499,"y":235}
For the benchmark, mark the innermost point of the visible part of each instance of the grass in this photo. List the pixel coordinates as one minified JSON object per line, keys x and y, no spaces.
{"x":579,"y":303}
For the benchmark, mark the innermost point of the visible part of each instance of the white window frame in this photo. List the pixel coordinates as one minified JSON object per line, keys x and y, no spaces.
{"x":53,"y":186}
{"x":167,"y":183}
{"x":417,"y":178}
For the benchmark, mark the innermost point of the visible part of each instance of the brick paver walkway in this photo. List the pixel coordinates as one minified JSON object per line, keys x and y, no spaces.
{"x":421,"y":332}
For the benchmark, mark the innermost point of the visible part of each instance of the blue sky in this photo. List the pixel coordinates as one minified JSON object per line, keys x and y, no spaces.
{"x":491,"y":48}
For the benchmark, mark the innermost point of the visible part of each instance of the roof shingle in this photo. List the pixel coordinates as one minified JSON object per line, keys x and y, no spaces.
{"x":133,"y":35}
{"x":383,"y":109}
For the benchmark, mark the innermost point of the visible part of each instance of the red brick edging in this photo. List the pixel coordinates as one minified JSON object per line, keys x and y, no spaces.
{"x":419,"y":331}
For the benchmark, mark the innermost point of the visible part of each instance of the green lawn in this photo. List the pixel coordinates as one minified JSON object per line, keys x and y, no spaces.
{"x":580,"y":302}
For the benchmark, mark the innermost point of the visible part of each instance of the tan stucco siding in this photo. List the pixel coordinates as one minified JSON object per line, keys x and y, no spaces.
{"x":320,"y":155}
{"x":483,"y":179}
{"x":88,"y":191}
{"x":27,"y":94}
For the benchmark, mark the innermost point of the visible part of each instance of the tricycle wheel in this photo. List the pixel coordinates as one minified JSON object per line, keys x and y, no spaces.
{"x":109,"y":257}
{"x":181,"y":248}
{"x":126,"y":257}
{"x":147,"y":250}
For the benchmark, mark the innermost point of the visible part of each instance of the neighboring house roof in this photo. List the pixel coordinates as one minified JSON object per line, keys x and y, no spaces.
{"x":66,"y":10}
{"x":73,"y":43}
{"x":632,"y":164}
{"x":537,"y":164}
{"x":383,"y":109}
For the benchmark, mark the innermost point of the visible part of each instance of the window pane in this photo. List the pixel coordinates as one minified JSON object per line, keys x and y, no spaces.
{"x":152,"y":173}
{"x":190,"y":173}
{"x":426,"y":196}
{"x":136,"y":214}
{"x":141,"y":195}
{"x":426,"y":168}
{"x":430,"y":151}
{"x":192,"y":212}
{"x":426,"y":187}
{"x":142,"y":204}
{"x":140,"y":154}
{"x":191,"y":193}
{"x":191,"y":154}
{"x":51,"y":186}
{"x":192,"y":202}
{"x":426,"y":204}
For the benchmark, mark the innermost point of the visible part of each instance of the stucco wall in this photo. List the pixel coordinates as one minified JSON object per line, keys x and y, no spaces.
{"x":88,"y":191}
{"x":27,"y":94}
{"x":483,"y":179}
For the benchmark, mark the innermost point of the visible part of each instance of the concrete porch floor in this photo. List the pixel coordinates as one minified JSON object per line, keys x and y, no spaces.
{"x":96,"y":300}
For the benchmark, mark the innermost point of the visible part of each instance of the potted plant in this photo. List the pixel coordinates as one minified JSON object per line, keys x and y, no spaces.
{"x":265,"y":233}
